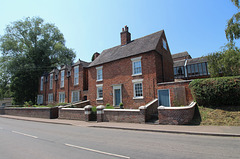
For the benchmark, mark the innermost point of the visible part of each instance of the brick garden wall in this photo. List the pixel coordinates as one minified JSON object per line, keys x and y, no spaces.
{"x":176,"y":115}
{"x":49,"y":113}
{"x":72,"y":113}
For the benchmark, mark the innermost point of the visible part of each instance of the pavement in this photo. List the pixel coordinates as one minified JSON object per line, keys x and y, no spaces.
{"x":224,"y":131}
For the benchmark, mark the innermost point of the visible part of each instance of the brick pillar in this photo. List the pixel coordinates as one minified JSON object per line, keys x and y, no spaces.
{"x":143,"y":112}
{"x":100,"y":113}
{"x":88,"y":112}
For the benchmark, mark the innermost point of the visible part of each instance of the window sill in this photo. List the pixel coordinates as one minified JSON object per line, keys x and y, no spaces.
{"x":138,"y":97}
{"x":99,"y":99}
{"x":99,"y":80}
{"x":137,"y":74}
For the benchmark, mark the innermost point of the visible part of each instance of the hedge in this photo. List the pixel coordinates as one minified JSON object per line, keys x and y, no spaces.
{"x":222,"y":91}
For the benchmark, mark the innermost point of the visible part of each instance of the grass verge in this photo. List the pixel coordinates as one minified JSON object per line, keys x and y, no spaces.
{"x":221,"y":116}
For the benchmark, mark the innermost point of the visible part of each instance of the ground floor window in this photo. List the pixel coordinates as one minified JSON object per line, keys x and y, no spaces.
{"x":40,"y":99}
{"x":61,"y":97}
{"x":75,"y":96}
{"x":138,"y":89}
{"x":50,"y":98}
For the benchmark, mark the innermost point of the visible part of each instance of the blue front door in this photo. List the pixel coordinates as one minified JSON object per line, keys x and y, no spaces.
{"x":163,"y":97}
{"x":117,"y":96}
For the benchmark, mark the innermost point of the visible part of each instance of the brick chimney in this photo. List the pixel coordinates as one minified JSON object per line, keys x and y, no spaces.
{"x":125,"y":36}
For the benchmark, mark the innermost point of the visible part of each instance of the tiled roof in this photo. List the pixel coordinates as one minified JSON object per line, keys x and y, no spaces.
{"x":190,"y":61}
{"x":181,"y":54}
{"x":84,"y":64}
{"x":197,"y":60}
{"x":135,"y":47}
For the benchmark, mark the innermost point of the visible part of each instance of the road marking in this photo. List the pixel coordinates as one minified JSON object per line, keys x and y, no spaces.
{"x":97,"y":151}
{"x":25,"y":134}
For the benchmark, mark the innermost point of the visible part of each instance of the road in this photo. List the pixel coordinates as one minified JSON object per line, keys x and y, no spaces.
{"x":33,"y":140}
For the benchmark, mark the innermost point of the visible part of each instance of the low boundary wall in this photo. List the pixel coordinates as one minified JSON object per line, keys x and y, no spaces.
{"x":176,"y":115}
{"x":49,"y":113}
{"x":83,"y":114}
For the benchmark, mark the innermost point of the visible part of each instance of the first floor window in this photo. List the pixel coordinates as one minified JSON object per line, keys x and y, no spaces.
{"x":76,"y":74}
{"x":61,"y":97}
{"x":40,"y":99}
{"x":136,"y":66}
{"x":75,"y":96}
{"x":99,"y":73}
{"x":41,"y":85}
{"x":62,"y":78}
{"x":50,"y":98}
{"x":51,"y":81}
{"x":99,"y":92}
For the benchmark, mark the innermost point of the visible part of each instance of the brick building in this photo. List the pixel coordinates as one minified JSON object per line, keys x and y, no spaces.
{"x":64,"y":85}
{"x":186,"y":67}
{"x":128,"y":73}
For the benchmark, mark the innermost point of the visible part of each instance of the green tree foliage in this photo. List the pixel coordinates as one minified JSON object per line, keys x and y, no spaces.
{"x":32,"y":48}
{"x":4,"y":79}
{"x":233,"y":27}
{"x":225,"y":62}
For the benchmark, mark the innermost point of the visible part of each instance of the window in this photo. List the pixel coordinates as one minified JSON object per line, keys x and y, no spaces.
{"x":136,"y":66}
{"x":50,"y":98}
{"x":138,"y":89}
{"x":51,"y":81}
{"x":76,"y":72}
{"x":164,"y":44}
{"x":99,"y":92}
{"x":62,"y":78}
{"x":41,"y":85}
{"x":40,"y":99}
{"x":61,"y":97}
{"x":75,"y":96}
{"x":99,"y":73}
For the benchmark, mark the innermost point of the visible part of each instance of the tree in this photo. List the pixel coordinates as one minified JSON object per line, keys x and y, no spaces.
{"x":225,"y":62}
{"x":233,"y":27}
{"x":32,"y":48}
{"x":4,"y":79}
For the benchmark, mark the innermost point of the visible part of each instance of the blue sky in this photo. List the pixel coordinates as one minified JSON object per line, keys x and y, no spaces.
{"x":90,"y":26}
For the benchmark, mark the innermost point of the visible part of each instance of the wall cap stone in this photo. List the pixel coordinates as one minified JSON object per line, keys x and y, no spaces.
{"x":100,"y":107}
{"x":88,"y":107}
{"x":176,"y":108}
{"x":121,"y":110}
{"x":72,"y":108}
{"x":168,"y":83}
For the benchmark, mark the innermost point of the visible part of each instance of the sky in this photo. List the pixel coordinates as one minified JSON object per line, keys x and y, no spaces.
{"x":89,"y":26}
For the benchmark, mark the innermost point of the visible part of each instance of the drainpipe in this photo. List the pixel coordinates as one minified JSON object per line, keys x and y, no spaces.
{"x":185,"y":68}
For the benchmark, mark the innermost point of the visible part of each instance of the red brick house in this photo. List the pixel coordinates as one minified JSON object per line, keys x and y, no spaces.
{"x":68,"y":84}
{"x":129,"y":73}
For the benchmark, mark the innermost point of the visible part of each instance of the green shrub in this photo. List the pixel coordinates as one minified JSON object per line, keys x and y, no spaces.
{"x":28,"y":104}
{"x":223,"y":91}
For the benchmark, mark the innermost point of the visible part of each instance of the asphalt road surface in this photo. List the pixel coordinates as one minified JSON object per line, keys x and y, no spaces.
{"x":33,"y":140}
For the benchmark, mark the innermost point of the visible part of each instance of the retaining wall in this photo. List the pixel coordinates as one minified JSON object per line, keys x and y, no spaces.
{"x":176,"y":115}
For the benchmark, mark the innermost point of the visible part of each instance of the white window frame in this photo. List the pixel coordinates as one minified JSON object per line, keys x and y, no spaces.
{"x":76,"y":75}
{"x":41,"y":84}
{"x":51,"y":82}
{"x":40,"y":99}
{"x":61,"y":97}
{"x":78,"y":96}
{"x":164,"y":44}
{"x":62,"y":78}
{"x":135,"y":60}
{"x":50,"y":98}
{"x":99,"y":87}
{"x":99,"y":73}
{"x":137,"y":81}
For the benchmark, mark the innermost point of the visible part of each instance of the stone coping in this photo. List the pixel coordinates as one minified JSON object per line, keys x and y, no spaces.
{"x":176,"y":108}
{"x":29,"y":108}
{"x":167,"y":83}
{"x":122,"y":110}
{"x":72,"y":108}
